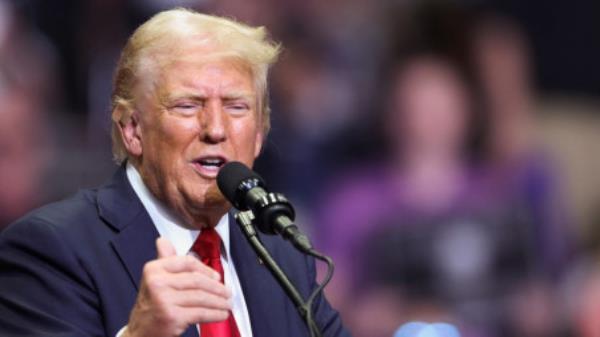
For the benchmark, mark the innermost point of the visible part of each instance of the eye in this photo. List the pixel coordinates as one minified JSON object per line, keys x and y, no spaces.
{"x":185,"y":108}
{"x":237,"y":107}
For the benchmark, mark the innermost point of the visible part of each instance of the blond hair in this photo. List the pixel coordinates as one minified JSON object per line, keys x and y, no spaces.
{"x":159,"y":36}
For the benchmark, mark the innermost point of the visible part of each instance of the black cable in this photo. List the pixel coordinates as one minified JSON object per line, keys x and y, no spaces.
{"x":314,"y":329}
{"x":305,"y":308}
{"x":244,"y":219}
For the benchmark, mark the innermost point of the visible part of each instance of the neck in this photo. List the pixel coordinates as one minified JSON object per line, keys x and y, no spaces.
{"x":202,"y":217}
{"x":183,"y":210}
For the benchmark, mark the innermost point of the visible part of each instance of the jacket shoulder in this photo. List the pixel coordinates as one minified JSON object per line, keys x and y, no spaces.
{"x":66,"y":214}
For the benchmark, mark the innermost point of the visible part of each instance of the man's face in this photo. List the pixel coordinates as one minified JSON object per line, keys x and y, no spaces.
{"x":194,"y":115}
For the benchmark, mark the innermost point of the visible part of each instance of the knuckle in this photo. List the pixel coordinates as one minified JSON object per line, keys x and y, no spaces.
{"x":152,"y":267}
{"x":168,"y":315}
{"x":222,"y":290}
{"x":148,"y":269}
{"x":222,"y":315}
{"x":205,"y":315}
{"x":213,"y":315}
{"x":190,"y":261}
{"x":197,"y":279}
{"x":155,"y":282}
{"x":201,"y":297}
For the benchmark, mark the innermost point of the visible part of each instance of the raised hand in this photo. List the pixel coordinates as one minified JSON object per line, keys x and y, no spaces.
{"x":176,"y":292}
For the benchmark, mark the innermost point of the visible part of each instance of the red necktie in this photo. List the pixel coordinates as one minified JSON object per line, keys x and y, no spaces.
{"x":208,"y":248}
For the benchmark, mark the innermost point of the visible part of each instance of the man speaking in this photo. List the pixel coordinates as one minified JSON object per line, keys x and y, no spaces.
{"x":154,"y":252}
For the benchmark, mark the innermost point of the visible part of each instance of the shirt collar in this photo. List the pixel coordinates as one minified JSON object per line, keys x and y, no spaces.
{"x":167,"y":223}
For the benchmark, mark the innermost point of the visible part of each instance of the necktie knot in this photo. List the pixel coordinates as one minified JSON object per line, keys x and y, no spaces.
{"x":208,"y":244}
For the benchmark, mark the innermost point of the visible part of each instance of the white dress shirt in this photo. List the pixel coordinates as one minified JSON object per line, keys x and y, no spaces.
{"x":169,"y":226}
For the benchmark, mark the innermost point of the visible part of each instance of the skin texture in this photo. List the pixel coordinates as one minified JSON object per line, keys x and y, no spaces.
{"x":187,"y":108}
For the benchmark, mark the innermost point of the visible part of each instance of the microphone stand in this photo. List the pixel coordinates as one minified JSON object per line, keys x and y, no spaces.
{"x":244,"y":219}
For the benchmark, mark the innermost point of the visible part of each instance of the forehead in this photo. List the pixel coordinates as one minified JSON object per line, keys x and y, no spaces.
{"x":196,"y":66}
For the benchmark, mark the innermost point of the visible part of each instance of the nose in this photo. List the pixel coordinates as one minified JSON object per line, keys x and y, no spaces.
{"x":213,"y":123}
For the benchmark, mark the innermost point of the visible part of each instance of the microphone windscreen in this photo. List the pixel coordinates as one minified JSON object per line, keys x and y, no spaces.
{"x":231,"y":176}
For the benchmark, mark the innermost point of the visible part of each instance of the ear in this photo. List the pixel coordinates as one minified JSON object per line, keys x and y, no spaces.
{"x":130,"y":129}
{"x":258,"y":143}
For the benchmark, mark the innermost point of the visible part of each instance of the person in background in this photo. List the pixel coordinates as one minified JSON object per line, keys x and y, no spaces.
{"x":522,"y":172}
{"x":428,"y":234}
{"x":23,"y":159}
{"x":426,"y":186}
{"x":515,"y":158}
{"x":27,"y":96}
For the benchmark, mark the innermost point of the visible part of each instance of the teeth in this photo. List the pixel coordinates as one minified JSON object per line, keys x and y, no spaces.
{"x":211,"y":162}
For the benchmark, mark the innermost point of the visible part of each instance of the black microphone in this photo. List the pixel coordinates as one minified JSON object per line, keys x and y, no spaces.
{"x":246,"y":190}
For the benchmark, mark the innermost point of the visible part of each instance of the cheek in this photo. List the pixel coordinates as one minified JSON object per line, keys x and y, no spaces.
{"x":179,"y":133}
{"x":168,"y":139}
{"x":245,"y":136}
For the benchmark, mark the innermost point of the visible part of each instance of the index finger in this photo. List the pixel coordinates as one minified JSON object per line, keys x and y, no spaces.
{"x":188,"y":263}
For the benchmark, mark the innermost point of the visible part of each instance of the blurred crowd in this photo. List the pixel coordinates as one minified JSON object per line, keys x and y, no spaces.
{"x":411,"y":137}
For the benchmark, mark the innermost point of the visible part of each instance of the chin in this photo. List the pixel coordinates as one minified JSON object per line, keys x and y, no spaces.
{"x":211,"y":197}
{"x":216,"y":200}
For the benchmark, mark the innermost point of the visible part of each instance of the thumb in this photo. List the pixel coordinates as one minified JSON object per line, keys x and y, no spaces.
{"x":164,"y":248}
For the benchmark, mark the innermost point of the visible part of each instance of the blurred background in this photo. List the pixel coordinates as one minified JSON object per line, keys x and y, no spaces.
{"x":444,"y":153}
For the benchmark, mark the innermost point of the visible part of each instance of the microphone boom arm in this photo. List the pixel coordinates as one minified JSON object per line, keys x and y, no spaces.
{"x":244,"y":219}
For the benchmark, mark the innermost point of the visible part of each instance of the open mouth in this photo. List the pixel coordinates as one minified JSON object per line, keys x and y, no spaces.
{"x":212,"y":162}
{"x":209,"y":165}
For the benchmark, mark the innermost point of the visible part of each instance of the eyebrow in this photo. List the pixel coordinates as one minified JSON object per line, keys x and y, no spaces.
{"x":238,"y":95}
{"x":199,"y":97}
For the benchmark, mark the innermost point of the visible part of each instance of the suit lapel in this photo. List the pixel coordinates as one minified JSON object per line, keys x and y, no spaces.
{"x":134,"y":243}
{"x":120,"y":207}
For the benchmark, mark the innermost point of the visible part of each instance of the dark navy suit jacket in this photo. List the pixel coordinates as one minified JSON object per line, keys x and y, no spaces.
{"x":73,"y":269}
